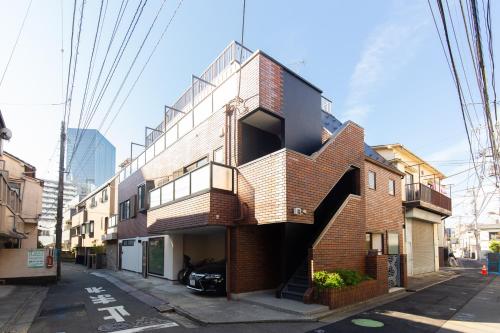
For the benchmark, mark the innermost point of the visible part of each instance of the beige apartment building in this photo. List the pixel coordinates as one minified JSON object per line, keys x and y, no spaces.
{"x":92,"y":224}
{"x":426,"y":203}
{"x":20,"y":209}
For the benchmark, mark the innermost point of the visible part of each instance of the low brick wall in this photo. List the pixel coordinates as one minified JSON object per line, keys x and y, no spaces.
{"x":337,"y":298}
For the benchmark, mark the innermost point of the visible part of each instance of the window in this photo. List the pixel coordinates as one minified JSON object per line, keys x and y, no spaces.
{"x":16,"y":187}
{"x":105,"y":195}
{"x":372,"y":180}
{"x":125,"y":210}
{"x":91,"y":229}
{"x":93,"y":202}
{"x":141,"y":197}
{"x":219,"y":155}
{"x":128,"y":242}
{"x":375,"y":241}
{"x":84,"y":229}
{"x":392,"y":243}
{"x":392,"y":187}
{"x":196,"y":164}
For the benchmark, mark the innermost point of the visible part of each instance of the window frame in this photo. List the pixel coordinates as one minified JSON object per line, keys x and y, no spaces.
{"x":144,"y":197}
{"x":125,"y":210}
{"x":216,"y":150}
{"x":393,"y":183}
{"x":104,"y":195}
{"x":370,"y":172}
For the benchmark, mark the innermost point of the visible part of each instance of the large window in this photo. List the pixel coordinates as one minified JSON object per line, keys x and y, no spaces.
{"x":392,"y":243}
{"x":372,"y":180}
{"x":392,"y":187}
{"x":141,"y":197}
{"x":125,"y":210}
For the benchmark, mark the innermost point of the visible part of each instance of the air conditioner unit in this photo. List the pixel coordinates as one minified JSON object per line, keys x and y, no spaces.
{"x":297,"y":211}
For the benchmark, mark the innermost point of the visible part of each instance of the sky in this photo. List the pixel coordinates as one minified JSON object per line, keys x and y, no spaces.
{"x":380,"y":62}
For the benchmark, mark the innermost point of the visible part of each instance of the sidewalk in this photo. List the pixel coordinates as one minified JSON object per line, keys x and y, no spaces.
{"x":205,"y":309}
{"x":480,"y":314}
{"x":19,"y":306}
{"x":422,"y":281}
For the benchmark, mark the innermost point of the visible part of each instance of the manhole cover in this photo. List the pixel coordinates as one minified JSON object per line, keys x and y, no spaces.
{"x":367,"y":323}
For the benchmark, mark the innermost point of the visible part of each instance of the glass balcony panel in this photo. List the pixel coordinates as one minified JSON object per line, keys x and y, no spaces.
{"x":222,"y":177}
{"x":181,"y":187}
{"x":200,"y":179}
{"x":185,"y":124}
{"x":171,"y":136}
{"x":160,"y":145}
{"x":167,"y":193}
{"x":150,"y":153}
{"x":141,"y":160}
{"x":155,"y":198}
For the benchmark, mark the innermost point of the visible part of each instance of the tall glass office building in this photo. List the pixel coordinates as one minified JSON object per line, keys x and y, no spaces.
{"x":94,"y":161}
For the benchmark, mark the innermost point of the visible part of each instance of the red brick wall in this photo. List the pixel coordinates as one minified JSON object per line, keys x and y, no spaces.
{"x":384,"y":211}
{"x":214,"y":208}
{"x":270,"y":85}
{"x":275,"y":184}
{"x":342,"y":246}
{"x":255,"y":257}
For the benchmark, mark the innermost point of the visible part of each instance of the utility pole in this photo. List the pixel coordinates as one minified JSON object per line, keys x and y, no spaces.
{"x":60,"y":202}
{"x":476,"y":231}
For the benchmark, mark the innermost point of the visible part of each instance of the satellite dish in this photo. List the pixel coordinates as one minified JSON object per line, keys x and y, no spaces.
{"x":5,"y":133}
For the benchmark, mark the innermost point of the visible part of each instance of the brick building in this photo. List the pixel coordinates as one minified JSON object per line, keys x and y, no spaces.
{"x":250,"y":166}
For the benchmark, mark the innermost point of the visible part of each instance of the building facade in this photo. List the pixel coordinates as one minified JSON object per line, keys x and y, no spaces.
{"x":47,"y":222}
{"x":426,"y":204}
{"x":250,"y":167}
{"x":93,"y":162}
{"x":92,"y":226}
{"x":20,"y":210}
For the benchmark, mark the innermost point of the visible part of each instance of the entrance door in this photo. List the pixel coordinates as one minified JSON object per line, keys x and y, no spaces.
{"x":131,"y":255}
{"x":393,"y":260}
{"x":156,"y":257}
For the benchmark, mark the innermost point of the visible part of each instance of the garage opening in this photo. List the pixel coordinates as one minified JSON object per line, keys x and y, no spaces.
{"x":262,"y":133}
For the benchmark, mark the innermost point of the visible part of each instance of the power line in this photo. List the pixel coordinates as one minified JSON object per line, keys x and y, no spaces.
{"x":116,"y":61}
{"x":15,"y":44}
{"x":138,"y":76}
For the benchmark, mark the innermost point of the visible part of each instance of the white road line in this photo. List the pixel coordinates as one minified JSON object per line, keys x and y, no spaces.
{"x":146,"y":328}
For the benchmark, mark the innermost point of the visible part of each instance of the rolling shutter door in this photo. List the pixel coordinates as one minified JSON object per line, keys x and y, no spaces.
{"x":423,"y":247}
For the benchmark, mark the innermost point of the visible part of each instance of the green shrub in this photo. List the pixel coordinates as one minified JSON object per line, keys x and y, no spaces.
{"x":325,"y":280}
{"x":338,"y":279}
{"x":494,"y":246}
{"x":351,"y":278}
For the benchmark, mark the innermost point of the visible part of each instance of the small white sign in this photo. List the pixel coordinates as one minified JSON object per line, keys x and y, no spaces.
{"x":36,"y":258}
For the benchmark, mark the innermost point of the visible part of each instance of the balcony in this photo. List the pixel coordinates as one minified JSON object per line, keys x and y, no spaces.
{"x":204,"y":196}
{"x":111,"y":229}
{"x":422,"y":196}
{"x":11,"y":223}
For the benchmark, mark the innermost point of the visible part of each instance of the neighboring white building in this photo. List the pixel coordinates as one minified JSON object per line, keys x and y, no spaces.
{"x":47,"y":222}
{"x":465,"y":242}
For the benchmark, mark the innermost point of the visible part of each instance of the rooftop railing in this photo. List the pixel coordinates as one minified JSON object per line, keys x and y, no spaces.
{"x":210,"y":176}
{"x":201,"y":86}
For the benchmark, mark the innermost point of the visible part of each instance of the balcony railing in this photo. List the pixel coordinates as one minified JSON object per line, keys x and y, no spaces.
{"x":9,"y":196}
{"x":421,"y":192}
{"x":209,"y":176}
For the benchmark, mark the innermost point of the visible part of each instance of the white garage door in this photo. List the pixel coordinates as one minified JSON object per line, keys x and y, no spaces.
{"x":131,"y":255}
{"x":423,"y":247}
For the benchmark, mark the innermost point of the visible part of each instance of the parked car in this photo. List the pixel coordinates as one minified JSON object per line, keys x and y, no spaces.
{"x":209,"y":278}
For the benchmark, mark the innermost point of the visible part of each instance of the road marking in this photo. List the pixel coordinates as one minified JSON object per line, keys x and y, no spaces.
{"x":115,"y":313}
{"x":146,"y":328}
{"x":102,"y":299}
{"x":95,"y":290}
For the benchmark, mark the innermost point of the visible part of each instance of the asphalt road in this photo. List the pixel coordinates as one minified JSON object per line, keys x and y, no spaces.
{"x":423,"y":311}
{"x":70,"y":307}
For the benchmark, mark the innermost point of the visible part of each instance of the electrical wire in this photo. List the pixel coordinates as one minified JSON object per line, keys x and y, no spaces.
{"x":15,"y":43}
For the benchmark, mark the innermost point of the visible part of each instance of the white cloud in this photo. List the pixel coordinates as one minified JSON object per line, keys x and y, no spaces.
{"x":389,"y":47}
